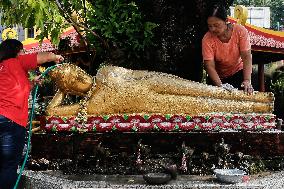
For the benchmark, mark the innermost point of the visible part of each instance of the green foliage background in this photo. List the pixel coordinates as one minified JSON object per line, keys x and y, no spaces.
{"x":108,"y":24}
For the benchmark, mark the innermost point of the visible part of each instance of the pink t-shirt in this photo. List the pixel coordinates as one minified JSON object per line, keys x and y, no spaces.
{"x":226,"y":55}
{"x":15,"y":87}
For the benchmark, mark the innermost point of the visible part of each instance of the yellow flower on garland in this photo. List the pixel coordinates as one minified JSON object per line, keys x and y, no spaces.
{"x":41,"y":69}
{"x":35,"y":73}
{"x":9,"y":33}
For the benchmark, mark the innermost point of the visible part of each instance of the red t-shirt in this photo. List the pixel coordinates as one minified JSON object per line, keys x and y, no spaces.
{"x":15,"y":87}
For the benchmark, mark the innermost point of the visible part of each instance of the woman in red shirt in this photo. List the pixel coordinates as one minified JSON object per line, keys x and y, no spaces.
{"x":226,"y":52}
{"x":14,"y":92}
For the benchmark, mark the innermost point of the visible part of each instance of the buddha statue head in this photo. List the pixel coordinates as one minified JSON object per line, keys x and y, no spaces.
{"x":71,"y":79}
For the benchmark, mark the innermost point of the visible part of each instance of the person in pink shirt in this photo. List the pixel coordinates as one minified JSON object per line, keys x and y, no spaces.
{"x":226,"y":52}
{"x":14,"y":92}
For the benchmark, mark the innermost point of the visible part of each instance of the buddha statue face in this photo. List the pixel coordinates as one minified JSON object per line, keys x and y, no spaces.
{"x":71,"y":79}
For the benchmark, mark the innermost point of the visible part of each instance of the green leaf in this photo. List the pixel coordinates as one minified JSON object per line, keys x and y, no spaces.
{"x":74,"y":129}
{"x":105,"y":117}
{"x":135,"y":128}
{"x":125,"y":116}
{"x":94,"y":129}
{"x":54,"y":129}
{"x":176,"y":127}
{"x":114,"y":128}
{"x":146,"y":117}
{"x":167,"y":116}
{"x":188,"y":118}
{"x":156,"y":127}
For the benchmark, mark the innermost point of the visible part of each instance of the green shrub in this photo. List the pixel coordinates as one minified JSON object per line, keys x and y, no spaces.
{"x":121,"y":24}
{"x":277,"y":83}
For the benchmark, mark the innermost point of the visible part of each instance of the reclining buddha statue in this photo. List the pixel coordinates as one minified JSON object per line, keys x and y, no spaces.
{"x":116,"y":90}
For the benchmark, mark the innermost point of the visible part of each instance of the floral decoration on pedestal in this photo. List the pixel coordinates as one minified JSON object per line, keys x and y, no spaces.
{"x":161,"y":123}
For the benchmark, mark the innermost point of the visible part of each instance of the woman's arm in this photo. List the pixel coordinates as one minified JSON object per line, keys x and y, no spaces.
{"x":211,"y":71}
{"x":245,"y":53}
{"x":247,"y":60}
{"x":43,"y":57}
{"x":247,"y":70}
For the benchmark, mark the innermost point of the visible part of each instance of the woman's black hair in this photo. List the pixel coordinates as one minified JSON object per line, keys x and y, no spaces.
{"x":10,"y":49}
{"x":218,"y":11}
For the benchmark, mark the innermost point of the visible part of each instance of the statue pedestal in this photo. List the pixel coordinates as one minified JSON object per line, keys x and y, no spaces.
{"x":158,"y":123}
{"x":136,"y":144}
{"x":264,"y":144}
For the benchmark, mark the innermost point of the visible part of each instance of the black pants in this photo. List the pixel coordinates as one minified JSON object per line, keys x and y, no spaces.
{"x":235,"y":80}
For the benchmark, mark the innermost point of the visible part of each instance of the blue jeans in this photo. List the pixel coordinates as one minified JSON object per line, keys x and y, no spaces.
{"x":12,"y":140}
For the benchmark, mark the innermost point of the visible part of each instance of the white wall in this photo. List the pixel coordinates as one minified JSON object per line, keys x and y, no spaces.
{"x":258,"y":16}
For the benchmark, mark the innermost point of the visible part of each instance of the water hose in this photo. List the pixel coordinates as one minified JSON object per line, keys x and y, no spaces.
{"x":30,"y":125}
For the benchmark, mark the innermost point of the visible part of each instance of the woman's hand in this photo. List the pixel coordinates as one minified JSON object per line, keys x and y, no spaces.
{"x":38,"y":80}
{"x":246,"y":84}
{"x":43,"y":57}
{"x":58,"y":59}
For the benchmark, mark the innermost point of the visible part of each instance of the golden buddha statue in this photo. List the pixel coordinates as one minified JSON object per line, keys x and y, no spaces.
{"x":116,"y":90}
